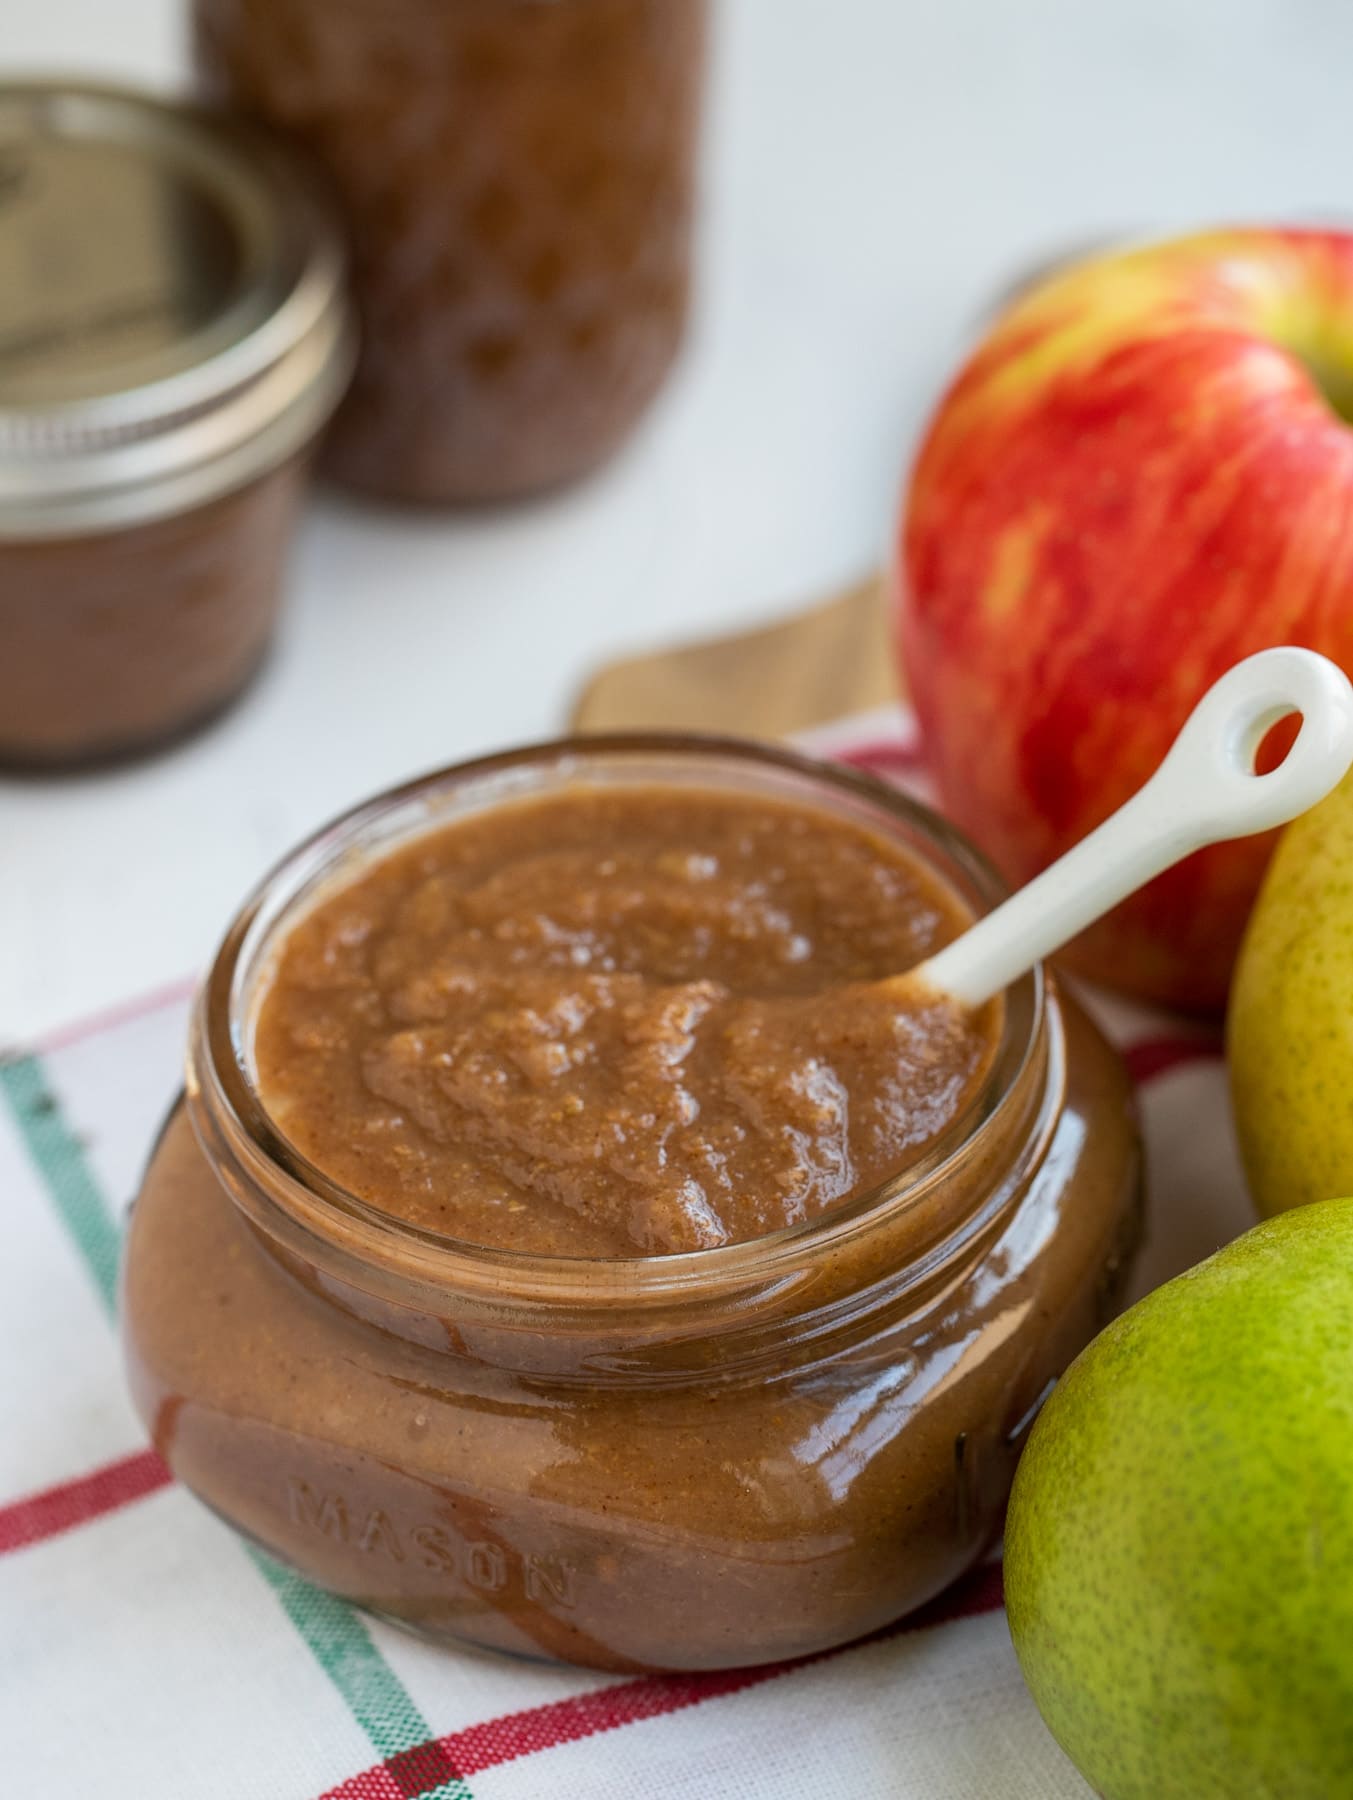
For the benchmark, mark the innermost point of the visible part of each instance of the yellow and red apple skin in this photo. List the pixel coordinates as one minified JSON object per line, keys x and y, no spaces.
{"x":1137,"y":479}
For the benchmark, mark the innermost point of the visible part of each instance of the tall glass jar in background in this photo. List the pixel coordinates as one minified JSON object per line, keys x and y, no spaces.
{"x":518,"y":180}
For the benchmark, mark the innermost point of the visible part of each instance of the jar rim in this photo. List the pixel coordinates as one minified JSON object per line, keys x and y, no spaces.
{"x":219,"y":1057}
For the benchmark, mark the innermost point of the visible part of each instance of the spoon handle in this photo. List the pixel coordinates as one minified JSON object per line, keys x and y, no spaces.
{"x":1205,"y":790}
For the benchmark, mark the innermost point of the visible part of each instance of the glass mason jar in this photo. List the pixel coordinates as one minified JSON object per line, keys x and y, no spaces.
{"x":158,"y":405}
{"x":517,"y":178}
{"x":672,"y":1462}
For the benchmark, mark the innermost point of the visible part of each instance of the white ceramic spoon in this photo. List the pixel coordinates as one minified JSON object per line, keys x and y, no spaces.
{"x":1204,"y":791}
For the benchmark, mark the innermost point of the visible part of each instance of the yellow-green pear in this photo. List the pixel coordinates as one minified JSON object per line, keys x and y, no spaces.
{"x":1179,"y":1547}
{"x":1289,"y":1032}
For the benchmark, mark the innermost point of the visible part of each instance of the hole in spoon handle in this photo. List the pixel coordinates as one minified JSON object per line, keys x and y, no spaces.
{"x":1213,"y":758}
{"x":1205,"y":790}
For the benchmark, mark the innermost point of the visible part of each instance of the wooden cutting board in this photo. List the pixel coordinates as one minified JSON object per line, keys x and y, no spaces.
{"x":833,"y":659}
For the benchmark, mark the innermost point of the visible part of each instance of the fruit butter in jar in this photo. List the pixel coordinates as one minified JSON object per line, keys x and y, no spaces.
{"x":517,"y":179}
{"x":173,"y":337}
{"x":564,"y":1247}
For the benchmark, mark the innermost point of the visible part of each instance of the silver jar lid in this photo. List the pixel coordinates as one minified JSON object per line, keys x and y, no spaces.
{"x":173,"y":320}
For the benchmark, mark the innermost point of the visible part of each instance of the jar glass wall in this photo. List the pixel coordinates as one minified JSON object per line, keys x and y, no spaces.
{"x":682,"y":1461}
{"x":120,"y":640}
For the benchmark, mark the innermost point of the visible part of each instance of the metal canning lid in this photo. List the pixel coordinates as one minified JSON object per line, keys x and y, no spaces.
{"x":173,"y":321}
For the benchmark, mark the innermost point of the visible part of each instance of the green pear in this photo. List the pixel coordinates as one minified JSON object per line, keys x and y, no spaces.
{"x":1290,"y":1024}
{"x":1179,"y":1548}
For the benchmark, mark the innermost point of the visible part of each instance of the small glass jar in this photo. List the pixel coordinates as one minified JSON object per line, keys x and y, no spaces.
{"x":173,"y":337}
{"x":674,"y":1462}
{"x":517,"y":178}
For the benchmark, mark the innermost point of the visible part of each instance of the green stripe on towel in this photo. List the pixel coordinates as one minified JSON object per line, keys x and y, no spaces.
{"x":333,"y":1632}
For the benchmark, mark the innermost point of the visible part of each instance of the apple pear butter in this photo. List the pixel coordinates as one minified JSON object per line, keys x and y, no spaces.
{"x":565,"y":1245}
{"x":618,"y":1024}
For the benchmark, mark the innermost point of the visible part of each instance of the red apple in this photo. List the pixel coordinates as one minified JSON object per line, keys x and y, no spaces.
{"x":1143,"y":474}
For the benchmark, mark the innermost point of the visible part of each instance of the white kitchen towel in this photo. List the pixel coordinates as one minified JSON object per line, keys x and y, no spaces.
{"x":146,"y":1652}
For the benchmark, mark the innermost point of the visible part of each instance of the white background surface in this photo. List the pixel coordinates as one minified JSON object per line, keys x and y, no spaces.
{"x":876,"y":171}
